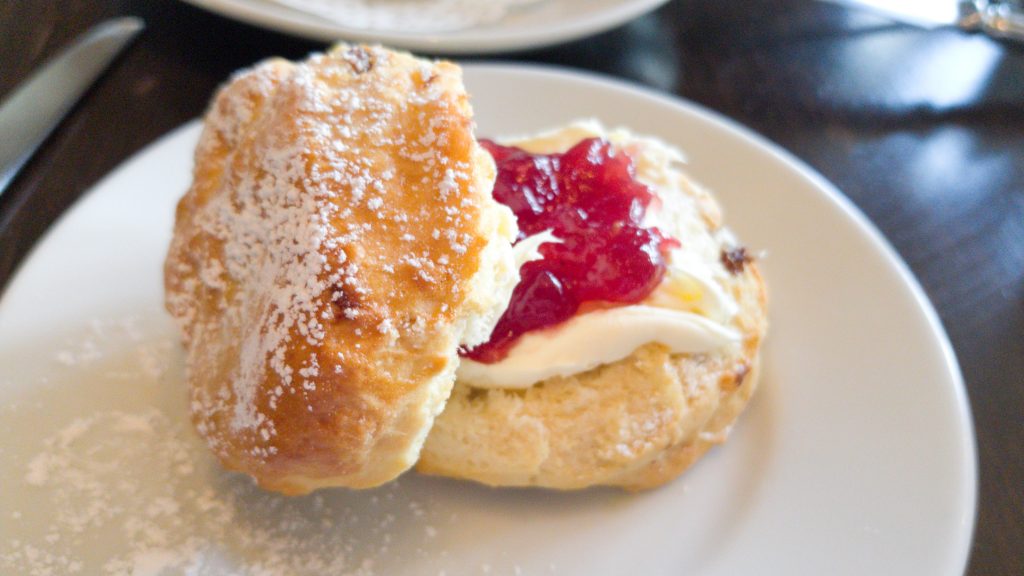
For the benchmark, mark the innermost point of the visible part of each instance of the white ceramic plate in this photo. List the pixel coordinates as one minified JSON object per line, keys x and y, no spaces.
{"x":535,"y":26}
{"x":856,"y":457}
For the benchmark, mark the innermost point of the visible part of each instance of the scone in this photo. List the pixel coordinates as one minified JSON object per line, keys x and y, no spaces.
{"x":338,"y":244}
{"x":625,"y":395}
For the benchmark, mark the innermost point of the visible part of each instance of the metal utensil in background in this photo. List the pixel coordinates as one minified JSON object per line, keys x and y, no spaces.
{"x":36,"y":106}
{"x":998,"y":18}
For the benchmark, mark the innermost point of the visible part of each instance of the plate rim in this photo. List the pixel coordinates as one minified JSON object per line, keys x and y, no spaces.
{"x":489,"y":40}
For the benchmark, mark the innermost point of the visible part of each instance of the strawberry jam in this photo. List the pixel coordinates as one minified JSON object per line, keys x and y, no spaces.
{"x":588,"y":198}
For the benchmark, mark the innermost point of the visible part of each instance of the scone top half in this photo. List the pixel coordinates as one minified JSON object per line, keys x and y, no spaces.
{"x":338,"y":244}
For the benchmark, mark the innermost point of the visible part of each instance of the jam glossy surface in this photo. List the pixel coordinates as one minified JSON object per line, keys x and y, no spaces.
{"x":588,"y":198}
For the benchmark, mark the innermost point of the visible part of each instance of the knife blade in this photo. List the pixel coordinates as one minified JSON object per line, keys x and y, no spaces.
{"x":998,"y":18}
{"x":36,"y":106}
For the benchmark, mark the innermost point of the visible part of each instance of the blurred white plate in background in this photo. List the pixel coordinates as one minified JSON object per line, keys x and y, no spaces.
{"x":536,"y":24}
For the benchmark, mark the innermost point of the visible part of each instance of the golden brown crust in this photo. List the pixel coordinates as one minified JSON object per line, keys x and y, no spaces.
{"x":324,"y":264}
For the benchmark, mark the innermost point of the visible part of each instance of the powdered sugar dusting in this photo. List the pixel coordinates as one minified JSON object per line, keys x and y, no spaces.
{"x":129,"y":477}
{"x":104,"y":476}
{"x":313,"y":163}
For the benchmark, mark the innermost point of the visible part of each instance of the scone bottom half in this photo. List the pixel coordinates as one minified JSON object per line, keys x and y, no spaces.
{"x":635,"y":422}
{"x":338,"y":244}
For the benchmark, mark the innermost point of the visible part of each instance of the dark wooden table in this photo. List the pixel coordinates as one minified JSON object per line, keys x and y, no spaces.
{"x":923,"y":130}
